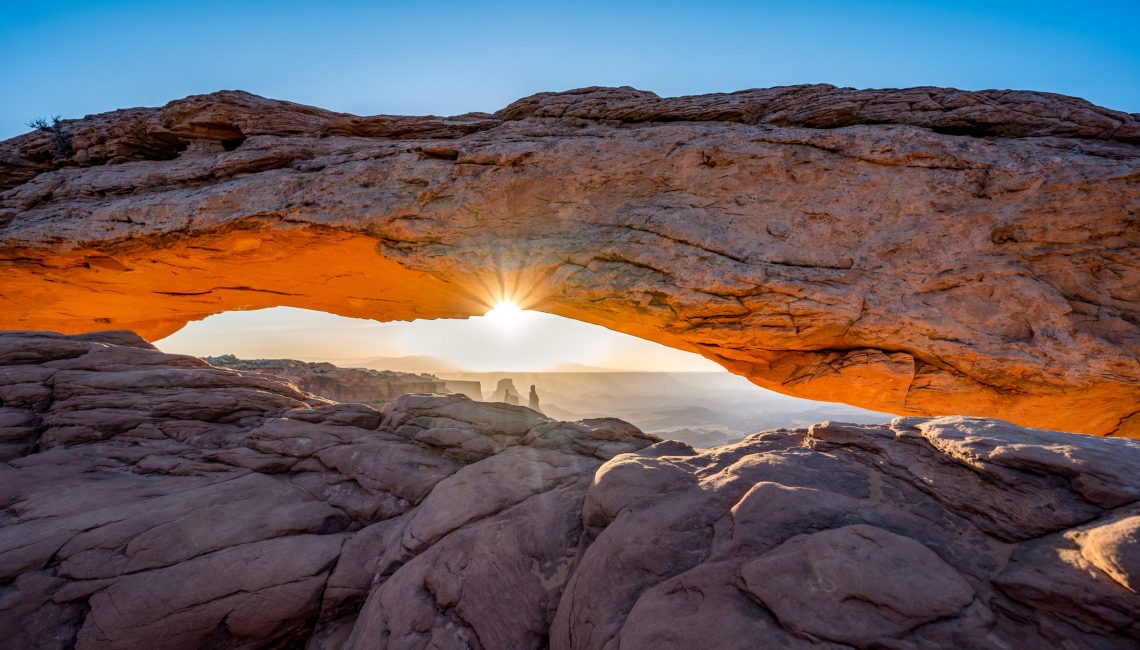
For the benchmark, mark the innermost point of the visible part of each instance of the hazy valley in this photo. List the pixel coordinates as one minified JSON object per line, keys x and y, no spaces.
{"x":700,"y":408}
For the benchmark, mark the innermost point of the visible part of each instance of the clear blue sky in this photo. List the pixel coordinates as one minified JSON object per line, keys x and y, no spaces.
{"x":74,"y":58}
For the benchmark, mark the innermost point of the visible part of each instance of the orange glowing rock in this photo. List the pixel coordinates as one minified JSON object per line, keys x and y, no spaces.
{"x":917,"y":251}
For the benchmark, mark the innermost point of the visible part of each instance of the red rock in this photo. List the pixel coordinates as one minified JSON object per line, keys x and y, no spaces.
{"x":284,"y":520}
{"x":920,"y":251}
{"x":857,"y":584}
{"x":867,"y":536}
{"x":207,"y":507}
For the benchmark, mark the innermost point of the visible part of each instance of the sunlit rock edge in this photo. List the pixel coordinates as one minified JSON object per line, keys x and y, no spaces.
{"x":918,"y":251}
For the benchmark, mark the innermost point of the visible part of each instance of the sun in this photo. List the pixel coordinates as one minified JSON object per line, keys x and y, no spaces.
{"x":505,"y":311}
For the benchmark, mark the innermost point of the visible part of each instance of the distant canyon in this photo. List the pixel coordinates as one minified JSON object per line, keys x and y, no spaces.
{"x":701,"y":409}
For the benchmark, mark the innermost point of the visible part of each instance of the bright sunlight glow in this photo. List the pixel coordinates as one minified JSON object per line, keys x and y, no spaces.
{"x":507,"y":338}
{"x":505,"y":311}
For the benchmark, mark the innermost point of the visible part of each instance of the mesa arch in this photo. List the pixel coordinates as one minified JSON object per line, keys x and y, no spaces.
{"x":918,"y":251}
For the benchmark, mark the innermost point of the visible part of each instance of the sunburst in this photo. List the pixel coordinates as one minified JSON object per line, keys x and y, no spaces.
{"x":505,"y":311}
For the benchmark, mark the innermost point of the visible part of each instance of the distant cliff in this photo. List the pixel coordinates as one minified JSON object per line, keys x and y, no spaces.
{"x":355,"y":385}
{"x":472,"y":389}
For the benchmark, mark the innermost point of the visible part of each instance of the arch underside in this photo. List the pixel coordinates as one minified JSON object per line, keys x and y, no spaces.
{"x":883,"y":265}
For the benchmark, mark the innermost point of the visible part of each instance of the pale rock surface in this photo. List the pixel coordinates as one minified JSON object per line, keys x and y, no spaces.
{"x":919,"y":251}
{"x":152,"y":500}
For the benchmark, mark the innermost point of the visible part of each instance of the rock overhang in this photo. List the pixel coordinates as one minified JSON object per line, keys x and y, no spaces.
{"x":920,"y":251}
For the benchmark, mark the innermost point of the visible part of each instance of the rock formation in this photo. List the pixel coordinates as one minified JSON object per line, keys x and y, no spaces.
{"x":152,"y":500}
{"x":470,"y":388}
{"x":915,"y":251}
{"x":506,"y":392}
{"x":944,"y":533}
{"x":357,"y":385}
{"x":533,"y":400}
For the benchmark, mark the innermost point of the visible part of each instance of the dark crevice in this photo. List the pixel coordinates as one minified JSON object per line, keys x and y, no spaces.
{"x":439,"y":153}
{"x":230,"y":144}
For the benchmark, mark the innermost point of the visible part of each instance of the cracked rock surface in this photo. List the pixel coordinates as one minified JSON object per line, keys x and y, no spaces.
{"x":941,"y":533}
{"x":152,"y":500}
{"x":920,"y":251}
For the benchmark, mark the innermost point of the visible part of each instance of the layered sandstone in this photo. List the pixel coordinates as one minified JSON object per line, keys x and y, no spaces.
{"x":915,"y":251}
{"x":357,"y":385}
{"x":153,"y":500}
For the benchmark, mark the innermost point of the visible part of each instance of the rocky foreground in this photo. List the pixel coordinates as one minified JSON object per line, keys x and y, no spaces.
{"x":916,"y":251}
{"x":152,"y":500}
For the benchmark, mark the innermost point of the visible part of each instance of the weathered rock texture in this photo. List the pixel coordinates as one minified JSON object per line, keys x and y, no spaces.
{"x":944,"y":533}
{"x":357,"y":385}
{"x":915,"y":251}
{"x":152,"y":500}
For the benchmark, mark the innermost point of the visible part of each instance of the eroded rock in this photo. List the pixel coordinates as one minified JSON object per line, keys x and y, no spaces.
{"x":861,"y":535}
{"x":208,"y":507}
{"x":857,"y":584}
{"x":916,"y":251}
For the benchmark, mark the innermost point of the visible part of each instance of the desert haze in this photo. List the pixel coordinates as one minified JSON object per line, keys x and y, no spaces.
{"x":698,"y":407}
{"x":702,"y":409}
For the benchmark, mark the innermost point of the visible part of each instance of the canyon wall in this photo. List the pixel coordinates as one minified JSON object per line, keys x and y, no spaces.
{"x":470,"y":388}
{"x":152,"y":500}
{"x":357,"y":385}
{"x":916,"y":251}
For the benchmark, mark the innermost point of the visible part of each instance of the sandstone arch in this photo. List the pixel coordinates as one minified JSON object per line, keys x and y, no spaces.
{"x":920,"y":251}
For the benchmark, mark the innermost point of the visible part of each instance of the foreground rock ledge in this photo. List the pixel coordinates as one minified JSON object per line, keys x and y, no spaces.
{"x":919,"y":251}
{"x":152,"y":500}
